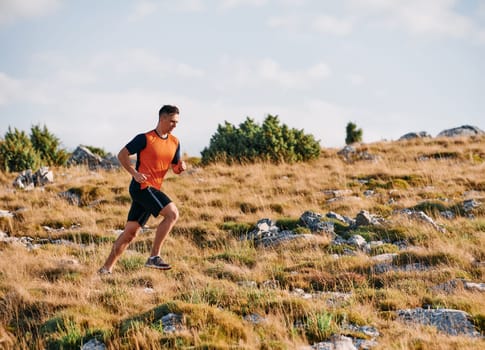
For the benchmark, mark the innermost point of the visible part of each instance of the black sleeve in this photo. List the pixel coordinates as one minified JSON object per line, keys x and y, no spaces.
{"x":138,"y":143}
{"x":176,"y":157}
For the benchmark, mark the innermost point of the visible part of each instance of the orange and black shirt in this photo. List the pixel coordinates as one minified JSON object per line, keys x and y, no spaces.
{"x":154,"y":156}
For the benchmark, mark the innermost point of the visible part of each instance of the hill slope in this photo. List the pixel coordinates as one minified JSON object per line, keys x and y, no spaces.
{"x":421,"y":248}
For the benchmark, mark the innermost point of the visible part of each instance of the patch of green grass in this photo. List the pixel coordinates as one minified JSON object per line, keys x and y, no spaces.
{"x":237,"y":228}
{"x":384,"y":249}
{"x":132,"y":263}
{"x":479,"y":322}
{"x":245,"y":257}
{"x":432,"y":259}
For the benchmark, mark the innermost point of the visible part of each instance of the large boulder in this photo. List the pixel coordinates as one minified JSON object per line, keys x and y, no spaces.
{"x":464,"y":130}
{"x":83,"y":156}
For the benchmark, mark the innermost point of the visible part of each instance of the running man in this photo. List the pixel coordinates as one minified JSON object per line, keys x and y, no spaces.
{"x":156,"y":151}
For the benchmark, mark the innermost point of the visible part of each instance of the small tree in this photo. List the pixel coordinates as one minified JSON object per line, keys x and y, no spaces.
{"x":47,"y":145}
{"x":251,"y":142}
{"x":353,"y":134}
{"x":17,"y":152}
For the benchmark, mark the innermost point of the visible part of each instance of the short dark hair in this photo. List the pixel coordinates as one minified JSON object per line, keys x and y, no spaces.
{"x":168,"y":109}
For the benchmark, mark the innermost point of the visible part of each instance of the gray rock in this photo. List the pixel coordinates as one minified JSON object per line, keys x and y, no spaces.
{"x":470,"y":204}
{"x":475,"y":286}
{"x":453,"y":322}
{"x":72,"y":197}
{"x":314,"y":222}
{"x":27,"y":180}
{"x":93,"y":344}
{"x":172,"y":323}
{"x":464,"y":130}
{"x":6,"y":214}
{"x":254,"y":318}
{"x":364,"y":218}
{"x":414,"y":135}
{"x":357,"y":241}
{"x":268,"y":234}
{"x":83,"y":156}
{"x":337,"y":342}
{"x":447,"y":214}
{"x":341,"y":218}
{"x":350,"y":154}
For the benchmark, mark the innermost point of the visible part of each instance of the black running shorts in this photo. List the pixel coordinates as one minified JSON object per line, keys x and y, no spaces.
{"x":146,"y":202}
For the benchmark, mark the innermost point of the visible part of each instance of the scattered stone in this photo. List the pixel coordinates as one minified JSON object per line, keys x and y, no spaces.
{"x":357,"y":241}
{"x":447,"y":214}
{"x":5,"y":214}
{"x":72,"y":197}
{"x":247,"y":284}
{"x":415,"y":135}
{"x":452,"y":322}
{"x":341,"y":218}
{"x":93,"y":344}
{"x":254,"y":318}
{"x":271,"y":284}
{"x":313,"y":222}
{"x":268,"y":234}
{"x":364,"y":218}
{"x":301,"y":293}
{"x":350,"y":154}
{"x":27,"y":181}
{"x":475,"y":286}
{"x":337,"y":342}
{"x":336,"y":299}
{"x":470,"y":204}
{"x":172,"y":323}
{"x":464,"y":130}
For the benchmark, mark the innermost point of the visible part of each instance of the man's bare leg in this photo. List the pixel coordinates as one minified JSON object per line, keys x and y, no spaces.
{"x":125,"y":238}
{"x":170,"y":215}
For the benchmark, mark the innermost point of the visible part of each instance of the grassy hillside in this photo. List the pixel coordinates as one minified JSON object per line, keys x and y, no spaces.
{"x":52,"y":297}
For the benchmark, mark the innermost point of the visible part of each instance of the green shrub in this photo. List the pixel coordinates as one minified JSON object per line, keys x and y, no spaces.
{"x":352,"y":134}
{"x":17,"y":152}
{"x":251,"y":142}
{"x":20,"y":152}
{"x":47,"y":145}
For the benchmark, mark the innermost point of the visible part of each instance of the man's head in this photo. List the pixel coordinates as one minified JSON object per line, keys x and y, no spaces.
{"x":168,"y":117}
{"x":168,"y":110}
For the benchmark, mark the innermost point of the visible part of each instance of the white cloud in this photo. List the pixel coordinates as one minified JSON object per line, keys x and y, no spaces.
{"x":268,"y":71}
{"x":332,"y":25}
{"x":230,"y":4}
{"x":289,"y":22}
{"x":14,"y":90}
{"x":436,"y":17}
{"x":12,"y":10}
{"x":143,"y":9}
{"x":356,"y":79}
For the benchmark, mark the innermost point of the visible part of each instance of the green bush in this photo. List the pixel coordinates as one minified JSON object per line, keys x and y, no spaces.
{"x":353,"y":134}
{"x":251,"y":142}
{"x":17,"y":152}
{"x":20,"y":152}
{"x":47,"y":145}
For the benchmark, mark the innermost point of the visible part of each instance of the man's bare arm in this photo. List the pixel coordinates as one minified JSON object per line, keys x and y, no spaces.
{"x":125,"y":161}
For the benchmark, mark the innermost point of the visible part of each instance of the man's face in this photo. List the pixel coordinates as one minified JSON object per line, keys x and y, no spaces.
{"x":168,"y":122}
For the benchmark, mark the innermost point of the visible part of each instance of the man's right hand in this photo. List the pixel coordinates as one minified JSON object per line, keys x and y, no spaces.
{"x":140,"y":177}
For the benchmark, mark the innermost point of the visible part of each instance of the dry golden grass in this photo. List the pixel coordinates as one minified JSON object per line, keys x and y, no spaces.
{"x":52,"y":297}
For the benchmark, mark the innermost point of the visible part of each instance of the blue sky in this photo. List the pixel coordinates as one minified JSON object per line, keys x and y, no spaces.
{"x":96,"y":72}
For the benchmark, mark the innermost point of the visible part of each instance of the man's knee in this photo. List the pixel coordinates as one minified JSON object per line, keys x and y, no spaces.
{"x":170,"y":212}
{"x":131,"y":230}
